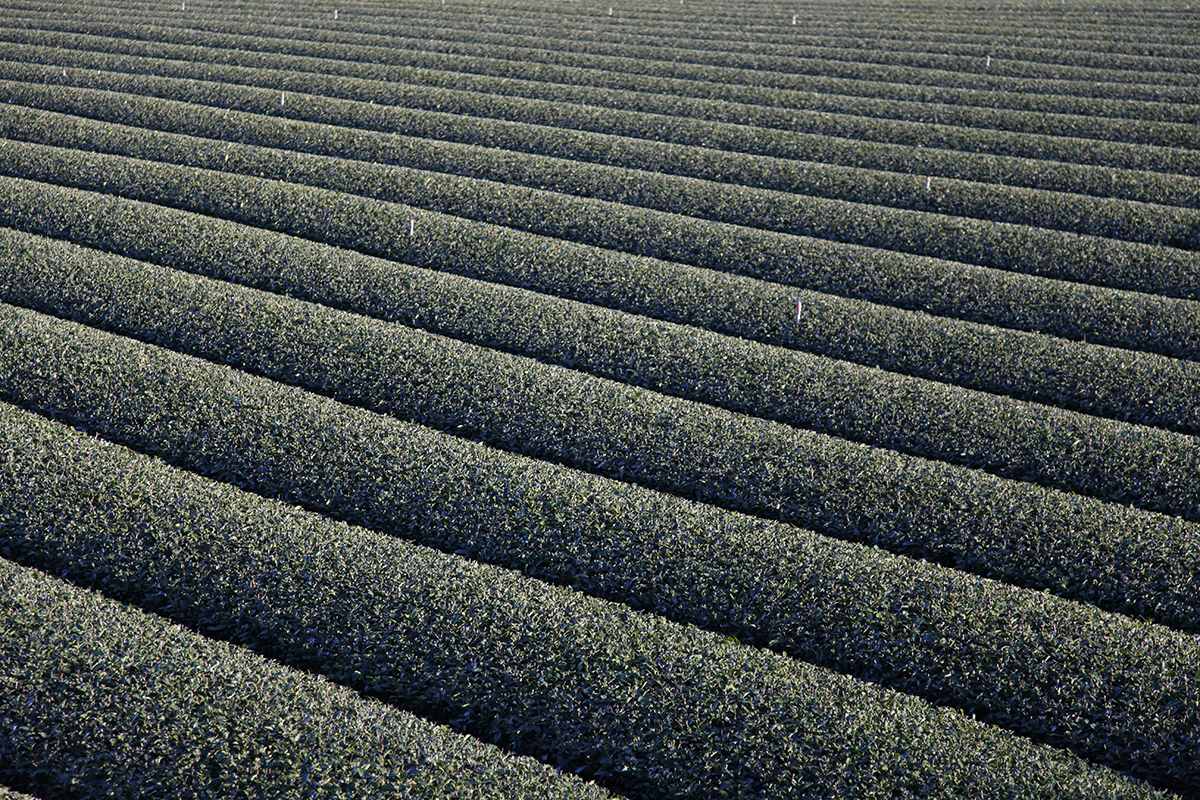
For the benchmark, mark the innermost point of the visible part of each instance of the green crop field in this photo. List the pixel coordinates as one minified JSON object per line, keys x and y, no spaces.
{"x":642,"y":399}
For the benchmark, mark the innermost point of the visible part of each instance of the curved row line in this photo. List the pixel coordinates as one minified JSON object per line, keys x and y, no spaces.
{"x":429,"y":18}
{"x":400,"y":478}
{"x":646,"y":213}
{"x":745,"y":86}
{"x":1098,"y":380}
{"x":645,"y":706}
{"x":1008,"y":438}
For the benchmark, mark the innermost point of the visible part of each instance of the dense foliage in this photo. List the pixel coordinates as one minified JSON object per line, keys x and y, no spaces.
{"x":721,"y":400}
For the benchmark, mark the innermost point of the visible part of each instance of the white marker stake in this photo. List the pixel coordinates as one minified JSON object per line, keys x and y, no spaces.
{"x":989,"y":61}
{"x":64,"y":72}
{"x":799,"y":308}
{"x":928,"y":181}
{"x":282,"y":98}
{"x":335,"y":13}
{"x":793,"y":19}
{"x":412,"y":223}
{"x":183,"y":6}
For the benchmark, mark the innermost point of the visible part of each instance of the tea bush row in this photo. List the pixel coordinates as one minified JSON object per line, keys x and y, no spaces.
{"x":550,"y":672}
{"x":1079,"y":213}
{"x":804,"y":77}
{"x":1153,"y":468}
{"x":772,"y":105}
{"x":1084,"y":548}
{"x":683,"y":447}
{"x":390,"y":113}
{"x":1115,"y":383}
{"x":567,"y":526}
{"x":454,"y":71}
{"x":960,"y":239}
{"x":822,"y":29}
{"x":641,"y":114}
{"x":432,"y":36}
{"x":1131,"y":320}
{"x":1096,"y":53}
{"x":102,"y":699}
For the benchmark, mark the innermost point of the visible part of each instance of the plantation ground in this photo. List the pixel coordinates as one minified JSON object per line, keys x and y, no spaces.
{"x":713,"y":400}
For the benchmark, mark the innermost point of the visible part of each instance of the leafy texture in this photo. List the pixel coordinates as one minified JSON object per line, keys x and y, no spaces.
{"x":100,"y":698}
{"x":714,"y":400}
{"x":650,"y":707}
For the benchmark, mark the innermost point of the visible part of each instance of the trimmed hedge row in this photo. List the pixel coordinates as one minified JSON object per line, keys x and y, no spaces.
{"x":1148,"y":55}
{"x":681,"y":48}
{"x":704,"y":82}
{"x":637,"y":110}
{"x":759,"y":182}
{"x":345,"y":461}
{"x":1153,"y":187}
{"x":1112,"y":317}
{"x":702,"y":452}
{"x":464,"y":37}
{"x":580,"y":678}
{"x":938,"y":24}
{"x":474,"y":37}
{"x":1004,"y":436}
{"x":1107,"y":217}
{"x":103,"y":700}
{"x":748,"y":104}
{"x":1121,"y":384}
{"x":1153,"y":469}
{"x":642,"y":114}
{"x":1123,"y":559}
{"x":724,"y":37}
{"x":726,"y":29}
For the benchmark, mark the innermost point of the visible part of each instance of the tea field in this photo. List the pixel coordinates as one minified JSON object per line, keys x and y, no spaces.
{"x":599,"y":399}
